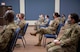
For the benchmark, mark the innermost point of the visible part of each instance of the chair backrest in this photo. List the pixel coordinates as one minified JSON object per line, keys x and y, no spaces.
{"x":25,"y":27}
{"x":78,"y":48}
{"x":59,"y":27}
{"x":48,"y":23}
{"x":13,"y":40}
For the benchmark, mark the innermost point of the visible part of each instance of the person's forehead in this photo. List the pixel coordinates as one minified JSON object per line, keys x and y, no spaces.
{"x":69,"y":16}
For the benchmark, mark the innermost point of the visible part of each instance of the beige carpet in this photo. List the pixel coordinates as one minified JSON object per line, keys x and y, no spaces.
{"x":31,"y":41}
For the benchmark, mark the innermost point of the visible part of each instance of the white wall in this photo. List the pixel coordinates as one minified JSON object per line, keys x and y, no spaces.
{"x":22,"y":6}
{"x":57,"y":6}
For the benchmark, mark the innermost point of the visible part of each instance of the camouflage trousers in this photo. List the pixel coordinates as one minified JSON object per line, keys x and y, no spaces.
{"x":54,"y":48}
{"x":37,"y":26}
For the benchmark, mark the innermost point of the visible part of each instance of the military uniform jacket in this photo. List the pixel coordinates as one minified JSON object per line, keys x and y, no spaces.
{"x":46,"y":22}
{"x":62,"y":20}
{"x":70,"y":38}
{"x":40,"y":20}
{"x":6,"y":35}
{"x":53,"y":27}
{"x":21,"y":25}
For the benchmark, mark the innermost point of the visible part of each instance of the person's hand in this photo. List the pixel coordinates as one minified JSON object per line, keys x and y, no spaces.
{"x":55,"y":40}
{"x":57,"y":43}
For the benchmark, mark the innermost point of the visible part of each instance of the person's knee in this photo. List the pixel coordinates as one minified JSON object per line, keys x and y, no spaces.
{"x":47,"y":46}
{"x":55,"y":49}
{"x":50,"y":45}
{"x":50,"y":50}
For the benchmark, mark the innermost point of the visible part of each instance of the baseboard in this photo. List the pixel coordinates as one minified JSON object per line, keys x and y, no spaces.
{"x":32,"y":22}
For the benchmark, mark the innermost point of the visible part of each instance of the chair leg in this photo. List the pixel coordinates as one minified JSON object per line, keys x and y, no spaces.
{"x":44,"y":41}
{"x":23,"y":43}
{"x":24,"y":40}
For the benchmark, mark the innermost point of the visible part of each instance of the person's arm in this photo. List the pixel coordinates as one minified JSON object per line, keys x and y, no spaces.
{"x":45,"y":22}
{"x":54,"y":25}
{"x":21,"y":24}
{"x":74,"y":37}
{"x":5,"y":37}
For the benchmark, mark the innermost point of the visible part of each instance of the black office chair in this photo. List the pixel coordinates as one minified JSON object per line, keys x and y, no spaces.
{"x":22,"y":36}
{"x":13,"y":41}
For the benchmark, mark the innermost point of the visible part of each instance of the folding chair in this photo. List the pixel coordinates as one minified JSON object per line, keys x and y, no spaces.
{"x":52,"y":35}
{"x":22,"y":36}
{"x":13,"y":41}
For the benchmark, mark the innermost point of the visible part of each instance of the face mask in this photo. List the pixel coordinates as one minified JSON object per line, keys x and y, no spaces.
{"x":69,"y":21}
{"x":45,"y":17}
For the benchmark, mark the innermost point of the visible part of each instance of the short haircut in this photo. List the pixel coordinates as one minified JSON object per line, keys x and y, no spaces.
{"x":47,"y":16}
{"x":10,"y":17}
{"x":22,"y":15}
{"x":75,"y":17}
{"x":56,"y":14}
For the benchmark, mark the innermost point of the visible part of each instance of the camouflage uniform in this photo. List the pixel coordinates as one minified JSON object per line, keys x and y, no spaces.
{"x":49,"y":30}
{"x":21,"y":25}
{"x":63,"y":20}
{"x":69,"y":40}
{"x":40,"y":21}
{"x":45,"y":23}
{"x":6,"y":35}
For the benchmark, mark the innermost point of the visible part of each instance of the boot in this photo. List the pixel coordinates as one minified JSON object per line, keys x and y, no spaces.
{"x":34,"y":34}
{"x":38,"y":44}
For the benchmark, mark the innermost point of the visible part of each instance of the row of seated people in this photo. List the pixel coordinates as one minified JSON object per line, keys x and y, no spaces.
{"x":44,"y":21}
{"x":8,"y":31}
{"x":66,"y":41}
{"x":49,"y":30}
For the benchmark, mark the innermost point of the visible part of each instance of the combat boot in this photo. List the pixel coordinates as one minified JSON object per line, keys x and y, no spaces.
{"x":34,"y":34}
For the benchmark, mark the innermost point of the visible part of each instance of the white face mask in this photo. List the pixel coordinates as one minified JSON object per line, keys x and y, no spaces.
{"x":40,"y":15}
{"x":45,"y":17}
{"x":69,"y":21}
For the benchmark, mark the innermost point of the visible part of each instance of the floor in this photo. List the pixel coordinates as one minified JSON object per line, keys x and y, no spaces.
{"x":31,"y":41}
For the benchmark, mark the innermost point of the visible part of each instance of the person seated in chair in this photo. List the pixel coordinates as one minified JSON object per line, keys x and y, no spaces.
{"x":22,"y":22}
{"x":8,"y":32}
{"x":17,"y":19}
{"x":69,"y":40}
{"x":39,"y":21}
{"x":48,"y":30}
{"x":46,"y":22}
{"x":9,"y":10}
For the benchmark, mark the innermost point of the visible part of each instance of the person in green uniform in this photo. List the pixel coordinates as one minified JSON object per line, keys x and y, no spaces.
{"x":48,"y":30}
{"x":8,"y":32}
{"x":69,"y":40}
